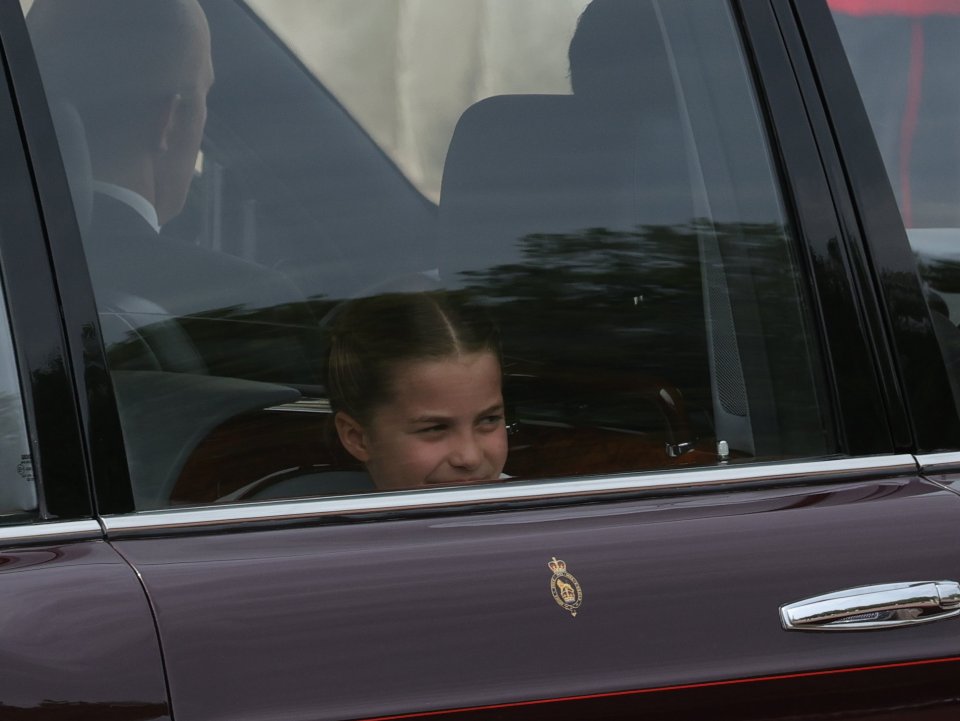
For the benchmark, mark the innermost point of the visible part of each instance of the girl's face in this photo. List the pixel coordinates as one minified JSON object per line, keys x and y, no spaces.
{"x":443,"y":425}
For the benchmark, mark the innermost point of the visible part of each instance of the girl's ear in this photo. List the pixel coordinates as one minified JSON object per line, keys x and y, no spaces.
{"x":352,"y":436}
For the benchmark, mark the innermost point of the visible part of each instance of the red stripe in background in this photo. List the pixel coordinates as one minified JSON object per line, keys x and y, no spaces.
{"x":908,"y":8}
{"x":908,"y":128}
{"x":708,"y":684}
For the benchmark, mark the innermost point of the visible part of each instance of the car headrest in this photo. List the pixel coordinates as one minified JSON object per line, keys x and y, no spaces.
{"x":530,"y":165}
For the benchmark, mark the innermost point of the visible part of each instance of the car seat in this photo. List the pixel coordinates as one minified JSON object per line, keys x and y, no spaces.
{"x":583,"y":209}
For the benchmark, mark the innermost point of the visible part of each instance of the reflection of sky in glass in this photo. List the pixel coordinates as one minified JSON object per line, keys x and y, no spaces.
{"x":406,"y":70}
{"x":906,"y":69}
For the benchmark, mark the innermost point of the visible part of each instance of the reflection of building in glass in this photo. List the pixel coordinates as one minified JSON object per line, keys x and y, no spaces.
{"x":406,"y":70}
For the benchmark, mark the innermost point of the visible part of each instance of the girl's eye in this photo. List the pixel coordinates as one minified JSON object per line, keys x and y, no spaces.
{"x":431,"y":429}
{"x":492,"y":420}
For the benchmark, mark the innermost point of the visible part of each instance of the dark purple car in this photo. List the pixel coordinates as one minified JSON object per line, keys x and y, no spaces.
{"x":719,"y":243}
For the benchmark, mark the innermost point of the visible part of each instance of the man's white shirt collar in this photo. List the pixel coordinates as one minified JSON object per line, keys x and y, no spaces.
{"x":131,"y":198}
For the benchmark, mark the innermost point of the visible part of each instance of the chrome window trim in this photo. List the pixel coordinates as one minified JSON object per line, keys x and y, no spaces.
{"x":50,"y":532}
{"x":287,"y":510}
{"x":939,"y":462}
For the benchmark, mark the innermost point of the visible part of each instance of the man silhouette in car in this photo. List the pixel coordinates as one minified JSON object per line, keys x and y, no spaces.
{"x":135,"y":74}
{"x":138,"y":73}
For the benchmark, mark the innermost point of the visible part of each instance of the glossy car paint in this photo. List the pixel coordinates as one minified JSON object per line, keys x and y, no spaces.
{"x":78,"y":639}
{"x":875,"y":694}
{"x":453,"y":611}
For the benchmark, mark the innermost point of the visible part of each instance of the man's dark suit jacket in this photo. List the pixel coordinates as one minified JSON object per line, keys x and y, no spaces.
{"x":242,"y":320}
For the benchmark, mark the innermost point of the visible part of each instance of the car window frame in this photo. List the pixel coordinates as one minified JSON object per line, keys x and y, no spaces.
{"x":34,"y":302}
{"x":877,"y":238}
{"x":863,"y":408}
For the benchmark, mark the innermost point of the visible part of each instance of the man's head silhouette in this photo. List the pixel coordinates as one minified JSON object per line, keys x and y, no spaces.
{"x":138,"y":73}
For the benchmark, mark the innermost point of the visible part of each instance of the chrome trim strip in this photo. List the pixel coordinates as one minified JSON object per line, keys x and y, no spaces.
{"x":834,"y":469}
{"x":50,"y":531}
{"x":938,"y":462}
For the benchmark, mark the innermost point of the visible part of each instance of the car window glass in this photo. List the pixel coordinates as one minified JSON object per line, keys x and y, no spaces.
{"x":18,"y":491}
{"x":588,"y":184}
{"x":905,"y":57}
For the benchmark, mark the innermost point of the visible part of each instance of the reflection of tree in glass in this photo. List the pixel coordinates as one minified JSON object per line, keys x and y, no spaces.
{"x":599,"y":298}
{"x":603,"y":301}
{"x":778,"y":345}
{"x":608,"y":305}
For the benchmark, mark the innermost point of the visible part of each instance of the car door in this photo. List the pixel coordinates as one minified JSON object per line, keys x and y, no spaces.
{"x":713,"y":506}
{"x":78,"y":638}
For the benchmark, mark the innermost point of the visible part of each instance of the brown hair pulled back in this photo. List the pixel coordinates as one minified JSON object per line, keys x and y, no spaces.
{"x":369,"y":337}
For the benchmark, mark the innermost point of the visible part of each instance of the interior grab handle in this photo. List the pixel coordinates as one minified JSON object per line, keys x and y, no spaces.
{"x":871,"y":607}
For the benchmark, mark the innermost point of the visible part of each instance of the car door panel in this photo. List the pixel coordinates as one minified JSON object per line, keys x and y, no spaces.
{"x":363,"y":620}
{"x":78,"y":639}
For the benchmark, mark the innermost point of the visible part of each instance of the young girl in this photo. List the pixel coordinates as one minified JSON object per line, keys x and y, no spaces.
{"x":415,"y":387}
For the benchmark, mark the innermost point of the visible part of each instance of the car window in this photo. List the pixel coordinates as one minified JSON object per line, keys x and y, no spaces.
{"x":18,"y":490}
{"x":579,"y":197}
{"x":905,"y":61}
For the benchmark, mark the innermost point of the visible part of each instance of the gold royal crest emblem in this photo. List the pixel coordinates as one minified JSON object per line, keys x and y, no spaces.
{"x":564,"y":587}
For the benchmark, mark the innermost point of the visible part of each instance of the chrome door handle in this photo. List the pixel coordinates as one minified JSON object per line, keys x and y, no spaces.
{"x":868,"y":607}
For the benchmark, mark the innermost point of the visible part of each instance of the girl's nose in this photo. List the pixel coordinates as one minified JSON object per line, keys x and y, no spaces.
{"x":466,"y":453}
